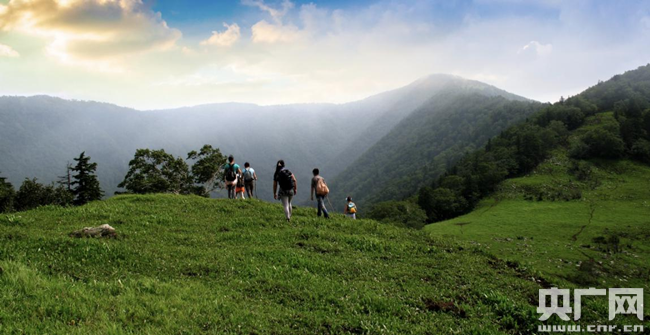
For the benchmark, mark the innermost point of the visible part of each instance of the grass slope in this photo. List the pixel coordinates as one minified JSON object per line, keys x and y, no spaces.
{"x":186,"y":265}
{"x":599,"y":240}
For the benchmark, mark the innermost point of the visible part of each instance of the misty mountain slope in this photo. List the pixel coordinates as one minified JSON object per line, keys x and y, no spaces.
{"x":424,"y":144}
{"x":396,"y":105}
{"x":40,"y":135}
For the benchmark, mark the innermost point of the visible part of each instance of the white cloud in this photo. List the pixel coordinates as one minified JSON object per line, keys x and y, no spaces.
{"x":226,"y":38}
{"x":7,"y":51}
{"x":90,"y":30}
{"x":264,"y":32}
{"x":276,"y":14}
{"x":535,"y":48}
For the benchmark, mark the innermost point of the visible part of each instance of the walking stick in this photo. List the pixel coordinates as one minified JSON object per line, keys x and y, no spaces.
{"x":328,"y":200}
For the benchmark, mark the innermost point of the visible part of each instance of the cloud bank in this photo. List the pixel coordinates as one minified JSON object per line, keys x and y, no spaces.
{"x":284,"y":52}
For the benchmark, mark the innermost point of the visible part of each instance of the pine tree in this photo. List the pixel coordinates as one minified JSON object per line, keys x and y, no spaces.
{"x":87,"y":186}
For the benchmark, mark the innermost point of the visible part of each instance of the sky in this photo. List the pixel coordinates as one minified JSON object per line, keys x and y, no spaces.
{"x":154,"y":54}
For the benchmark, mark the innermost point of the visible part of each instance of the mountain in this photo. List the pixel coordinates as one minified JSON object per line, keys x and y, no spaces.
{"x":457,"y":119}
{"x":40,"y":135}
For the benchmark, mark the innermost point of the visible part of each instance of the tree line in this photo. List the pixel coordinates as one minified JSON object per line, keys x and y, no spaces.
{"x":150,"y":171}
{"x":79,"y":186}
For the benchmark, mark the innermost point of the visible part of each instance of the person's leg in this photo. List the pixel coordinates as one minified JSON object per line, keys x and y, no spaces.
{"x":321,"y":206}
{"x":247,"y":186}
{"x":318,"y":204}
{"x":286,"y":203}
{"x":230,"y":190}
{"x":290,"y":207}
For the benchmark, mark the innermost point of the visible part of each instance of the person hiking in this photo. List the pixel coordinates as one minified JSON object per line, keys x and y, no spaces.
{"x":319,"y":187}
{"x":231,"y":171}
{"x":350,"y":209}
{"x":239,"y":190}
{"x":250,"y":178}
{"x":288,"y":187}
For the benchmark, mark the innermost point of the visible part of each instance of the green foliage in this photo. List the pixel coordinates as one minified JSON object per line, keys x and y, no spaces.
{"x":32,"y":194}
{"x":207,"y":169}
{"x":598,"y":143}
{"x":641,"y":150}
{"x":7,"y":194}
{"x":87,"y":186}
{"x":441,"y":203}
{"x":418,"y":150}
{"x":401,"y":213}
{"x":155,"y":171}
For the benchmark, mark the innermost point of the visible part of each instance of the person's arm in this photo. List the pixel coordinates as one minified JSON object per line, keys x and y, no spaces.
{"x":254,"y":175}
{"x":295,"y":184}
{"x":275,"y":189}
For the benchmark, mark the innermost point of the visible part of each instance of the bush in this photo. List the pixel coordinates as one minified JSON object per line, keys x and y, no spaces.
{"x":7,"y":194}
{"x":597,"y":143}
{"x":401,"y":213}
{"x":31,"y":194}
{"x":641,"y":151}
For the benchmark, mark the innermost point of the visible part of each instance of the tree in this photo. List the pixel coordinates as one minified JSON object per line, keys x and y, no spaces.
{"x":87,"y":186}
{"x":66,"y":180}
{"x":207,"y":169}
{"x":441,"y":203}
{"x":7,"y":194}
{"x":598,"y":142}
{"x":155,"y":171}
{"x":402,"y":213}
{"x":32,"y":194}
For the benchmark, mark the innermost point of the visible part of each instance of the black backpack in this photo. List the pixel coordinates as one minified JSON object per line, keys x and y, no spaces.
{"x":230,"y":173}
{"x":285,"y":180}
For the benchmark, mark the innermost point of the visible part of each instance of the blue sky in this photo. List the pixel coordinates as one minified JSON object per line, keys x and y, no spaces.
{"x":168,"y":53}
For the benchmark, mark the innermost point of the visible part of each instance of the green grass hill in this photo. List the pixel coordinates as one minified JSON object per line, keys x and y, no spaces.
{"x":184,"y":265}
{"x":581,"y":225}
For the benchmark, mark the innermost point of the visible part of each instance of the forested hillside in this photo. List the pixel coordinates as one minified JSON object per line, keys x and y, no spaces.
{"x":609,"y":121}
{"x":421,"y":147}
{"x":40,"y":135}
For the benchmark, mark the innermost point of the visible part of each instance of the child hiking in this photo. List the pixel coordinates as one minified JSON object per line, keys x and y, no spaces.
{"x":231,"y":171}
{"x":288,"y":187}
{"x":239,"y":190}
{"x":350,"y":209}
{"x":319,"y":187}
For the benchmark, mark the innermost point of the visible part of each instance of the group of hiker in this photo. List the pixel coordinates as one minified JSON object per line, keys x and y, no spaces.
{"x":285,"y":187}
{"x":238,"y":182}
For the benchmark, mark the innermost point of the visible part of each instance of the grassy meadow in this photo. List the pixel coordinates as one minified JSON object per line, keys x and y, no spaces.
{"x":186,"y":265}
{"x":597,"y":240}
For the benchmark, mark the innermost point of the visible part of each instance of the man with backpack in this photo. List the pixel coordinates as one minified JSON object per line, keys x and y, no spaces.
{"x":288,"y":187}
{"x":250,"y":178}
{"x":231,"y":171}
{"x":319,"y":187}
